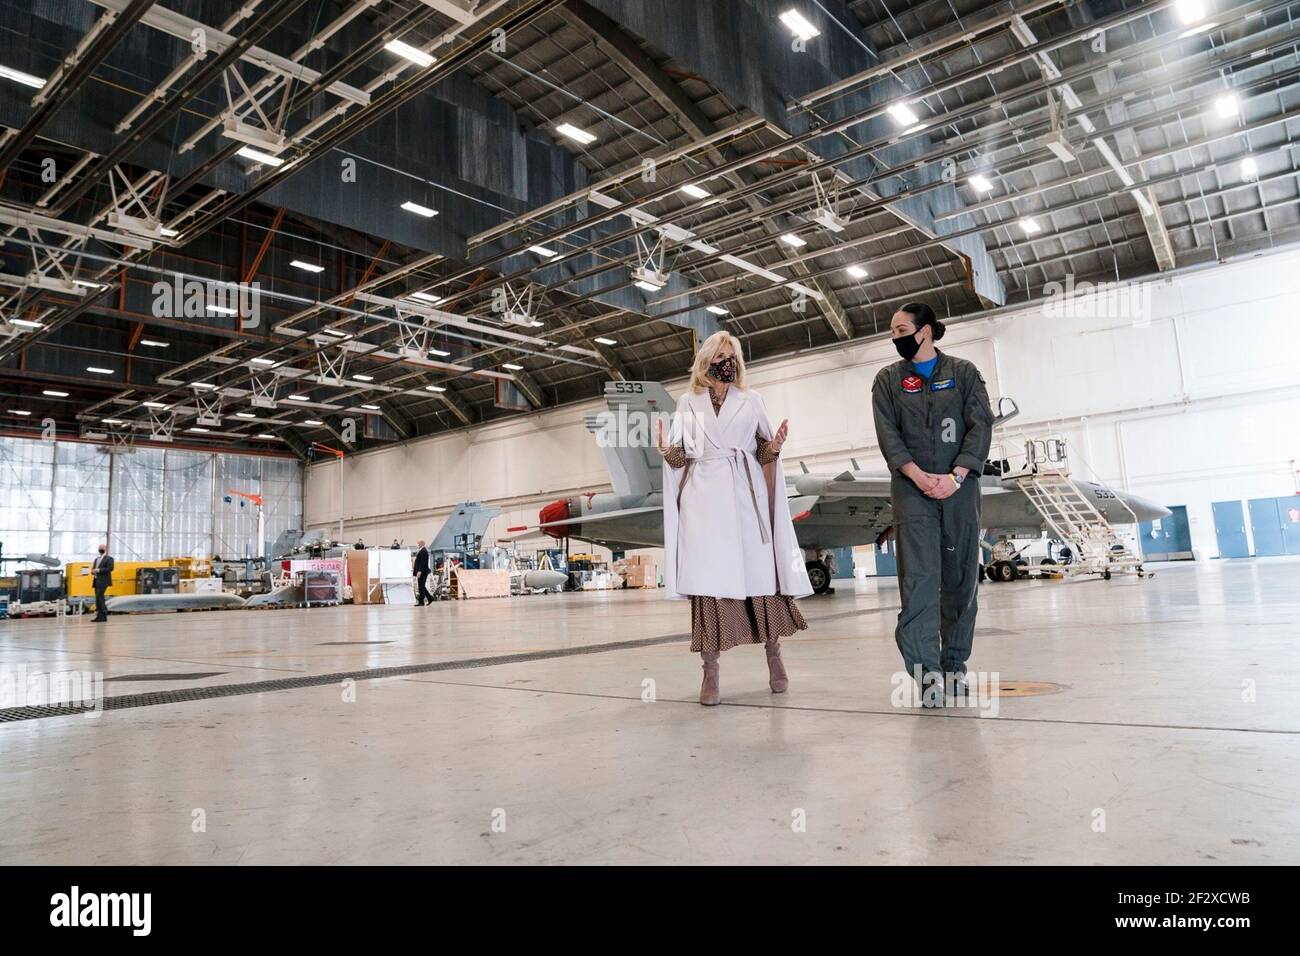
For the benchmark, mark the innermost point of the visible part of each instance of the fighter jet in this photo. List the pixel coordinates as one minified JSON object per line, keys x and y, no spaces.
{"x":845,"y":509}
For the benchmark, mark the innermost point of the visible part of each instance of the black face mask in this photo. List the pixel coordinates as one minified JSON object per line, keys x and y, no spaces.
{"x":907,"y":345}
{"x":723,"y":370}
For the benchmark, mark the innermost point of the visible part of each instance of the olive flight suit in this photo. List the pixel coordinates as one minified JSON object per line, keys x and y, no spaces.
{"x":940,"y":424}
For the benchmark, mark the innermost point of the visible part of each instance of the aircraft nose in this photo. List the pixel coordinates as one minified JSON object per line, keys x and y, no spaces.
{"x":1145,"y":510}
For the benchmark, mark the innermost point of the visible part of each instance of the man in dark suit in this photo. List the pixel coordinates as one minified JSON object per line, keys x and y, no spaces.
{"x":102,"y":579}
{"x":422,"y":573}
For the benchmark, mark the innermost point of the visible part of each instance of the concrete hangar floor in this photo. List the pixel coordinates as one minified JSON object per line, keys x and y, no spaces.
{"x":1170,"y":738}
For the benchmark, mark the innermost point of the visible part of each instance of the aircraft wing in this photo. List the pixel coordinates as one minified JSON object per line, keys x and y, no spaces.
{"x":598,"y":516}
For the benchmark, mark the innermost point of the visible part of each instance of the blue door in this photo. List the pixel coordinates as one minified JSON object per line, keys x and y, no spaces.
{"x":1265,"y":527}
{"x":1288,"y":514}
{"x":1230,"y":529}
{"x":1167,"y":539}
{"x":843,"y":562}
{"x":886,"y":563}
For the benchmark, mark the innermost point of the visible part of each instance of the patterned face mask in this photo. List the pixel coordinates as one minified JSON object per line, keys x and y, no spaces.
{"x":723,"y":370}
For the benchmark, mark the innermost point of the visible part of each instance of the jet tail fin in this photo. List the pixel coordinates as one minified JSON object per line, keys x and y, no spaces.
{"x":625,"y":433}
{"x":469,"y":518}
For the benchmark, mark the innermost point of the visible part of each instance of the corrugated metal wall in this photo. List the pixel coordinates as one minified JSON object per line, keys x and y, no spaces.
{"x":64,"y":498}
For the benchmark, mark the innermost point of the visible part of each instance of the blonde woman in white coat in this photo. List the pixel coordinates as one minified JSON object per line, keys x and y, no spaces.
{"x":728,"y":537}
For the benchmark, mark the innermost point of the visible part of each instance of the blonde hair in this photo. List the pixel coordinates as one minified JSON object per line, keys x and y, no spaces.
{"x":704,"y":358}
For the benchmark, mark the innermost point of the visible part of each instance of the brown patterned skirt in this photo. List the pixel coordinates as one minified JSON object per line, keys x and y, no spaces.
{"x":718,"y":624}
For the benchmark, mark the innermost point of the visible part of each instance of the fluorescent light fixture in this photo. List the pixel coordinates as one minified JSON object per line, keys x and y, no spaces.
{"x":578,"y":135}
{"x":257,"y":156}
{"x":197,"y":429}
{"x":155,"y":344}
{"x":1202,"y":28}
{"x":306,"y":266}
{"x":426,"y":297}
{"x":87,"y":284}
{"x":364,"y":378}
{"x":408,"y":52}
{"x":19,"y":411}
{"x":26,"y":323}
{"x":373,"y":408}
{"x":54,"y":393}
{"x":298,"y":398}
{"x":18,"y":76}
{"x":111,"y":421}
{"x":542,"y":251}
{"x":439,"y":352}
{"x":513,"y":368}
{"x":419,"y":210}
{"x":336,"y":333}
{"x":1059,"y":145}
{"x":245,"y":415}
{"x":717,"y":310}
{"x":799,"y":25}
{"x":98,"y":370}
{"x":434,"y":388}
{"x":790,"y":239}
{"x":1190,"y":11}
{"x":266,"y":436}
{"x":221,"y":310}
{"x":536,"y":324}
{"x":1030,"y":226}
{"x":203,"y":385}
{"x":903,"y":114}
{"x":1227,"y":105}
{"x":980,"y":184}
{"x":154,"y":405}
{"x":648,"y":278}
{"x":857,"y":272}
{"x":262,"y":361}
{"x":604,"y":341}
{"x":167,"y":232}
{"x":1249,"y":168}
{"x":696,"y":192}
{"x":310,"y":421}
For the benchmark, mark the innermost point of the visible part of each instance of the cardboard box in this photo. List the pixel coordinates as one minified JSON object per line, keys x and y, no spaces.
{"x":200,"y":586}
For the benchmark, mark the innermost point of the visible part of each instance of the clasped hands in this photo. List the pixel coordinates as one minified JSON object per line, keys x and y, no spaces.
{"x":933,"y":486}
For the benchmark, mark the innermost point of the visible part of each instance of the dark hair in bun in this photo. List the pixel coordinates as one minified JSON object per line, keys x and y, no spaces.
{"x":921,"y":315}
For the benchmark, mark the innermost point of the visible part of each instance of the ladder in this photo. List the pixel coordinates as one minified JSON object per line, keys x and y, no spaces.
{"x":1069,"y":514}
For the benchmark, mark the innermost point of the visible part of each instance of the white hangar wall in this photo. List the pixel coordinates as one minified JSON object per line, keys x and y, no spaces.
{"x":1196,"y":400}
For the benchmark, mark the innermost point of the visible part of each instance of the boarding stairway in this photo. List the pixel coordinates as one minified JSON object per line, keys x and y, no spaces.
{"x":1043,"y":474}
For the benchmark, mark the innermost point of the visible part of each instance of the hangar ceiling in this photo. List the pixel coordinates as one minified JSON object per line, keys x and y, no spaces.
{"x":456,"y":211}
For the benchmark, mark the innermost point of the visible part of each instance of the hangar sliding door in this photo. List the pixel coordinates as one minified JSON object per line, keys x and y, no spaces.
{"x":1230,"y":529}
{"x":1167,"y":539}
{"x":1265,"y":527}
{"x":1288,"y":511}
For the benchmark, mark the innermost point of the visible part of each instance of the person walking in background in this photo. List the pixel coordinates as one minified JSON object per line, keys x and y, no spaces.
{"x":102,"y":579}
{"x":728,"y":537}
{"x":934,"y":425}
{"x":422,"y":576}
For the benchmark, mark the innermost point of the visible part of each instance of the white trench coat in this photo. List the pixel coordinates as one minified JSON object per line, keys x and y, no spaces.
{"x":727,"y":526}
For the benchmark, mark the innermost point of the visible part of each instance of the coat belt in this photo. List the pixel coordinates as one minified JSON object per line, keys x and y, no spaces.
{"x":734,"y":455}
